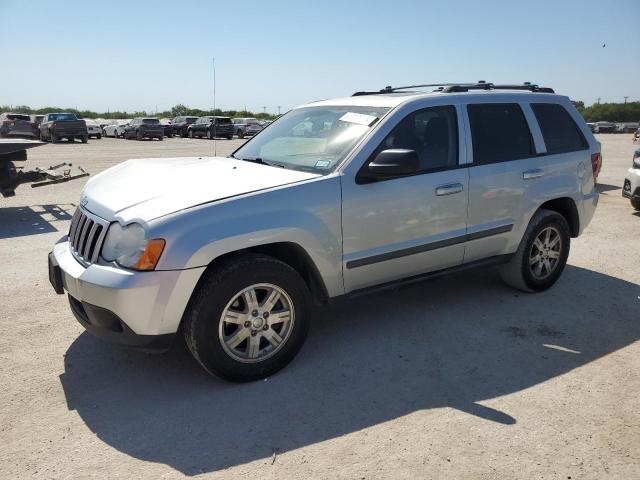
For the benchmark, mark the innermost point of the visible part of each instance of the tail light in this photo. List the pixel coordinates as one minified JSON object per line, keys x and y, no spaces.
{"x":7,"y":122}
{"x":596,"y":165}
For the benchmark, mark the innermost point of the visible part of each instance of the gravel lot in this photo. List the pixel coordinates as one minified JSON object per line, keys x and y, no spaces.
{"x":459,"y":377}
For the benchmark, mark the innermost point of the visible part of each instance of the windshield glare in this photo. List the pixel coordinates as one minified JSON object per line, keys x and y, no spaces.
{"x":312,"y":138}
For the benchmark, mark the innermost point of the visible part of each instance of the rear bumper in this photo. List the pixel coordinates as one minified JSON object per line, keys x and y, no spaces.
{"x":119,"y":305}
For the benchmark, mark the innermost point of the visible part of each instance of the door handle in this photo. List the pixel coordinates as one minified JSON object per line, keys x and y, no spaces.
{"x":533,"y":173}
{"x":448,"y":189}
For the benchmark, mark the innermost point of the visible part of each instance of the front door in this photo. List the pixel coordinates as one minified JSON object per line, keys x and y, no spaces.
{"x":400,"y":227}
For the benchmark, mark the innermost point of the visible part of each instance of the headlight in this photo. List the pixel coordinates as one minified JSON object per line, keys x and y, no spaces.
{"x":128,"y":247}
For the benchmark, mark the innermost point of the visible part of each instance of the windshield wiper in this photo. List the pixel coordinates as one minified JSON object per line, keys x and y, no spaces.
{"x":261,"y":161}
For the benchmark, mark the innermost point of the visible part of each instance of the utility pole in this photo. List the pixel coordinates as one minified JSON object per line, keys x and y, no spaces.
{"x":264,"y":109}
{"x":278,"y":110}
{"x":598,"y":101}
{"x":625,"y":99}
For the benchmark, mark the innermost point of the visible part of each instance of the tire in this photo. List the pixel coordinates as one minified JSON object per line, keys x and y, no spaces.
{"x":84,"y":139}
{"x":205,"y":331}
{"x":240,"y":134}
{"x":520,"y":273}
{"x":190,"y":133}
{"x":209,"y":135}
{"x":138,"y":135}
{"x":53,"y":138}
{"x":635,"y":204}
{"x":160,"y":138}
{"x":99,"y":137}
{"x":229,"y":137}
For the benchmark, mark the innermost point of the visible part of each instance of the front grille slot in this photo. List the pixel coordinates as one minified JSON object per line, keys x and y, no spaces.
{"x":86,"y":235}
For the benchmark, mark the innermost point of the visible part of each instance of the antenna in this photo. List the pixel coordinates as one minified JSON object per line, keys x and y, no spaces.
{"x":215,"y":137}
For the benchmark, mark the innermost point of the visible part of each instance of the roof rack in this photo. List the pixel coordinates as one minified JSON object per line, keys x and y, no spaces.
{"x":463,"y":87}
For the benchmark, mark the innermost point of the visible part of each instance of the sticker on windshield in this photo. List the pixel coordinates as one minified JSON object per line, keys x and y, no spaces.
{"x":358,"y":118}
{"x":323,"y":164}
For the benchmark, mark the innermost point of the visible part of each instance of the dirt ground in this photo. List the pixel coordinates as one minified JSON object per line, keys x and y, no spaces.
{"x":459,"y":377}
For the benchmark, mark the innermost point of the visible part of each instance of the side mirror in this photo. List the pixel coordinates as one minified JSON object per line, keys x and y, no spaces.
{"x":391,"y":163}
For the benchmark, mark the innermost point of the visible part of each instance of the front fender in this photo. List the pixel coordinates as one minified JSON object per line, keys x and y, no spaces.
{"x":307,"y":214}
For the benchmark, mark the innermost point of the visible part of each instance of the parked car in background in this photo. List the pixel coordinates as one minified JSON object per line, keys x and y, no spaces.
{"x":17,"y":125}
{"x":592,"y":126}
{"x":36,"y":119}
{"x":115,"y":128}
{"x":630,"y":127}
{"x":93,"y":128}
{"x":246,"y":126}
{"x":636,"y":136}
{"x":56,"y":126}
{"x":140,"y":128}
{"x":167,"y":127}
{"x":211,"y":127}
{"x":181,"y":125}
{"x":265,"y":123}
{"x":604,"y":127}
{"x":631,"y":188}
{"x":235,"y":253}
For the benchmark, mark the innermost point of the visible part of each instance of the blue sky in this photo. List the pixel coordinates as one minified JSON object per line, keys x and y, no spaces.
{"x":117,"y":55}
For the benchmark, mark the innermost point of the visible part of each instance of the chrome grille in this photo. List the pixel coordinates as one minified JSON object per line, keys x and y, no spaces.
{"x":86,"y":235}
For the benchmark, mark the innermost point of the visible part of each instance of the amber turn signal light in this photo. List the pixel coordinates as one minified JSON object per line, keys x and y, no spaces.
{"x":149,"y":258}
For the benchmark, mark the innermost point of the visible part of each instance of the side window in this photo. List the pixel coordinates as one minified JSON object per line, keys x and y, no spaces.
{"x":432,"y":133}
{"x":560,"y":132}
{"x":499,"y":133}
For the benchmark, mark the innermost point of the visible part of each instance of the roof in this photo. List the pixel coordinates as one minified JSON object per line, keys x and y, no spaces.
{"x":391,"y":100}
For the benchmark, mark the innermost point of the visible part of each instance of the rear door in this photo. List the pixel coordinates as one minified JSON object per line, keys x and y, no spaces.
{"x":504,"y":177}
{"x":407,"y":226}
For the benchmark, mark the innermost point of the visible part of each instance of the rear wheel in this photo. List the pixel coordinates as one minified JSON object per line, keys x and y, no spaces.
{"x":85,"y":139}
{"x":138,"y":135}
{"x":635,"y":204}
{"x":190,"y":133}
{"x":160,"y":138}
{"x":240,"y":134}
{"x":229,"y":137}
{"x":542,"y":254}
{"x":99,"y":137}
{"x":248,"y":318}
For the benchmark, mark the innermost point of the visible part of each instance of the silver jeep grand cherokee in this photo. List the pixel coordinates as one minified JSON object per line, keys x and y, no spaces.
{"x":335,"y":197}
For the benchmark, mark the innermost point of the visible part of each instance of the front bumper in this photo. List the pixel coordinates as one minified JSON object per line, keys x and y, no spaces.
{"x":139,"y":309}
{"x":631,"y":188}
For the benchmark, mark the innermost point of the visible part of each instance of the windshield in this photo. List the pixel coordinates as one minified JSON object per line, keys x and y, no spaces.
{"x":311,"y":138}
{"x":62,"y":116}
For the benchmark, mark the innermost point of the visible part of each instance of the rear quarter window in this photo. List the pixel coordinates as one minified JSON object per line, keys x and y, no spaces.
{"x":559,"y":131}
{"x":499,"y":132}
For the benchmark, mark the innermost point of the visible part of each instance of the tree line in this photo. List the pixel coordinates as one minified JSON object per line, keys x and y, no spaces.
{"x":173,"y":112}
{"x":611,"y":112}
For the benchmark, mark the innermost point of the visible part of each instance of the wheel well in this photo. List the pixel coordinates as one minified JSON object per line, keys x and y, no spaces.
{"x":293,"y":255}
{"x":567,"y":208}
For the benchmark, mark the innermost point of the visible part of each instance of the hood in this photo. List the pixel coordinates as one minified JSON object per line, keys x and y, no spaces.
{"x":149,"y":188}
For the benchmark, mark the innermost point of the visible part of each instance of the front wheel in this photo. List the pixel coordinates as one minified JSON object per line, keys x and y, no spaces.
{"x":85,"y":139}
{"x":542,"y":254}
{"x":248,"y":318}
{"x":99,"y":137}
{"x":240,"y":134}
{"x":190,"y":133}
{"x":635,"y":204}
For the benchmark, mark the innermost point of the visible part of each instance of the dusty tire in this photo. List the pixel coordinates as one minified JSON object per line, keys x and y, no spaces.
{"x":160,"y":138}
{"x":208,"y":336}
{"x":190,"y":133}
{"x":520,"y":273}
{"x":635,"y":204}
{"x":240,"y":134}
{"x":84,"y":139}
{"x":229,"y":137}
{"x":99,"y":137}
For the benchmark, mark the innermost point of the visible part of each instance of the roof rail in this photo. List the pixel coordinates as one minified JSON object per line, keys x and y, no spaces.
{"x":463,"y":87}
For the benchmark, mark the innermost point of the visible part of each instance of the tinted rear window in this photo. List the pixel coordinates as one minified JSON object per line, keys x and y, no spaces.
{"x":150,"y":121}
{"x":499,"y":132}
{"x":191,"y":119}
{"x":62,"y":116}
{"x":560,"y":132}
{"x":223,"y":120}
{"x":19,"y":117}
